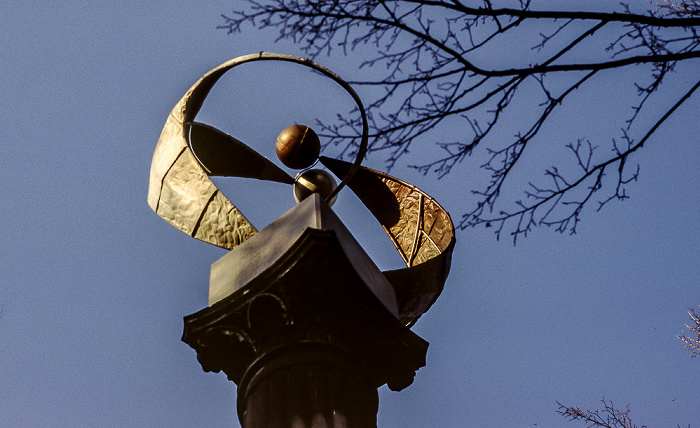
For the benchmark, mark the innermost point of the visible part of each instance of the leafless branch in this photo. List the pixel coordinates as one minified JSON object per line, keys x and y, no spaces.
{"x":683,"y":8}
{"x":692,"y":343}
{"x":429,"y":62}
{"x":607,"y":417}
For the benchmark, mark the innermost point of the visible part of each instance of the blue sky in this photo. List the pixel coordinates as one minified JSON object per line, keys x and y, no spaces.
{"x":93,"y":285}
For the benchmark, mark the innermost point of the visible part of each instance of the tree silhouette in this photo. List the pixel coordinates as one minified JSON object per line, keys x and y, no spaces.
{"x":429,"y":68}
{"x":692,"y":343}
{"x":428,"y":62}
{"x":607,"y":417}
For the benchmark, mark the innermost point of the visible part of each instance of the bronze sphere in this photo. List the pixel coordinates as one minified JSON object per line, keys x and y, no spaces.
{"x":314,"y":181}
{"x":298,"y":146}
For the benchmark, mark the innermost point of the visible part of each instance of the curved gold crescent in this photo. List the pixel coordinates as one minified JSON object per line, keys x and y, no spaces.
{"x":420,"y":228}
{"x":181,"y":192}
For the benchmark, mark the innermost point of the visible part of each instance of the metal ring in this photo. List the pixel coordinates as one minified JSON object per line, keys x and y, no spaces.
{"x":268,"y":56}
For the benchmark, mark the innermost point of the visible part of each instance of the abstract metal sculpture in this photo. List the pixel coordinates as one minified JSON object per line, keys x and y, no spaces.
{"x":182,"y":193}
{"x":300,"y":303}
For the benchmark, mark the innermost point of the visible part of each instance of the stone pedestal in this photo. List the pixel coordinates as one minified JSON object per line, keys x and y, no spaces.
{"x":306,"y":326}
{"x":310,"y":385}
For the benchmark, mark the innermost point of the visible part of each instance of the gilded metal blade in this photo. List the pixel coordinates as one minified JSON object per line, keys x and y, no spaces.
{"x":180,"y":191}
{"x":223,"y":155}
{"x":420,"y":228}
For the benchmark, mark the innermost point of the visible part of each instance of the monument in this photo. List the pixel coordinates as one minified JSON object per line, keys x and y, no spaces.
{"x":299,"y":316}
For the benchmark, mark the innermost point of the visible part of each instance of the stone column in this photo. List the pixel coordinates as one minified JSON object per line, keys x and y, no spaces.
{"x":310,"y":334}
{"x":310,"y":385}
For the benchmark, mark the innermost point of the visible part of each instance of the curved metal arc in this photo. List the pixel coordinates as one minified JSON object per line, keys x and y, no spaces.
{"x":215,"y":149}
{"x":421,"y":230}
{"x":180,"y":190}
{"x":208,"y":81}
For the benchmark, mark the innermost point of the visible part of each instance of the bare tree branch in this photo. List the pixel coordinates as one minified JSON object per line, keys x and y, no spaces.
{"x":608,"y":417}
{"x":429,"y":72}
{"x":578,"y":15}
{"x":692,"y":343}
{"x":681,"y":8}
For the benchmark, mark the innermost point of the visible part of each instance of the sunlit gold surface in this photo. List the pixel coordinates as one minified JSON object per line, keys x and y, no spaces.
{"x":424,"y":229}
{"x":180,"y":191}
{"x":420,"y":228}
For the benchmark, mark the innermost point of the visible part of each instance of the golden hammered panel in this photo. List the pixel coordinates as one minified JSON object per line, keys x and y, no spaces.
{"x":181,"y":192}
